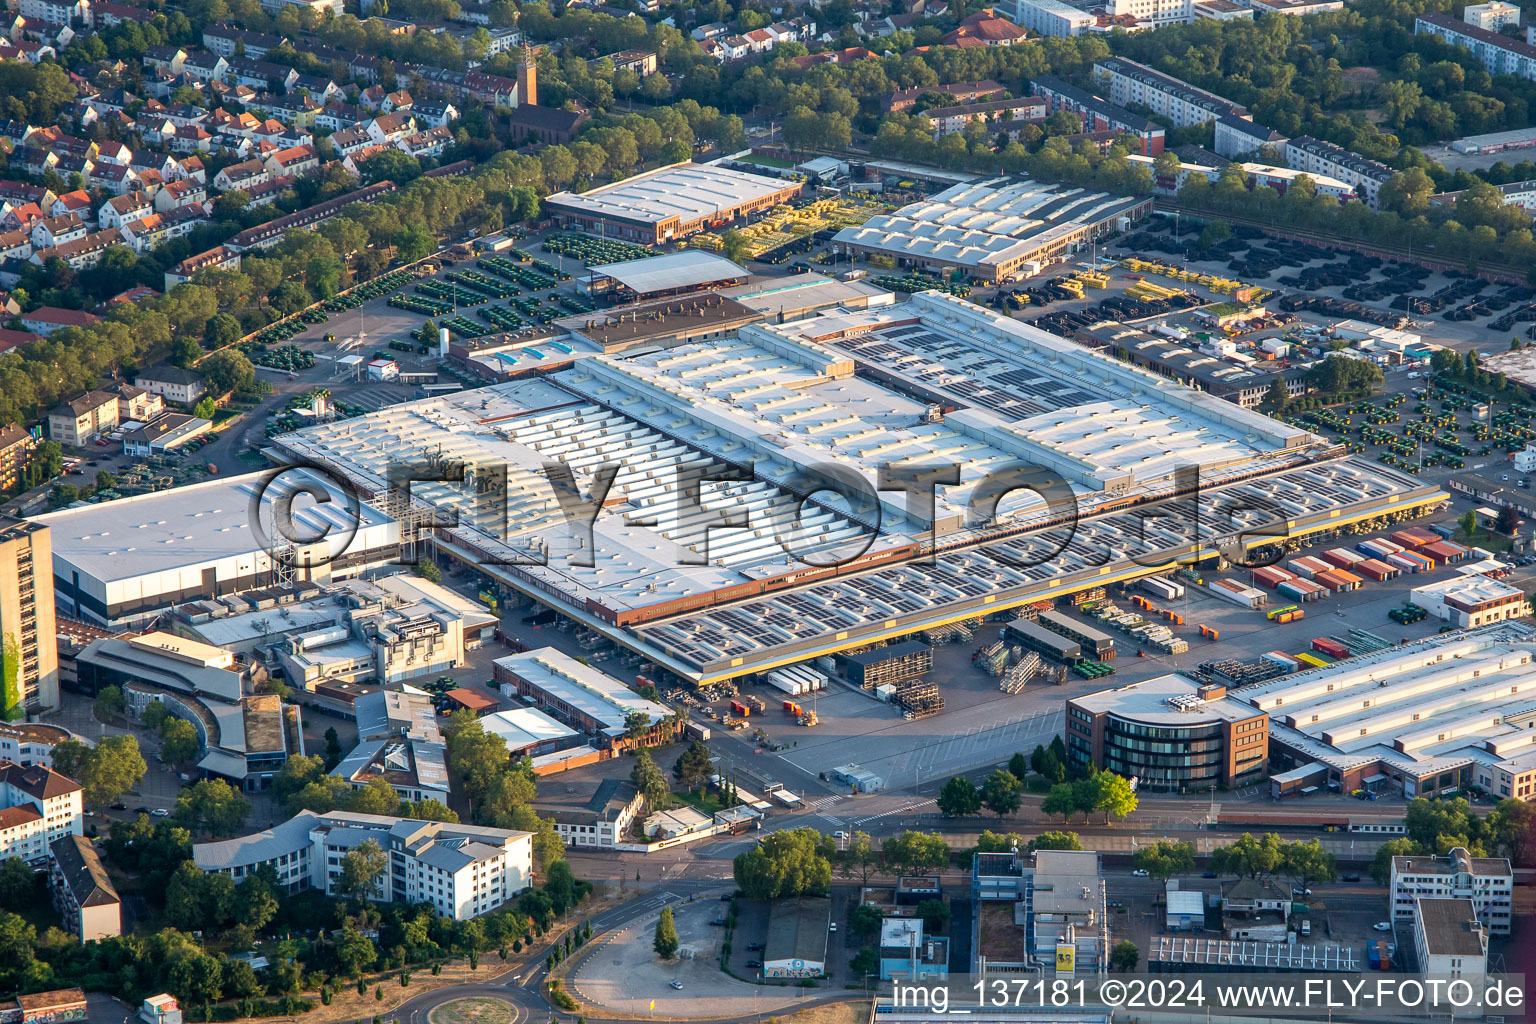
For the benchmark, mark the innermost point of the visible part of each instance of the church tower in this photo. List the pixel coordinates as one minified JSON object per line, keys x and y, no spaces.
{"x":527,"y":79}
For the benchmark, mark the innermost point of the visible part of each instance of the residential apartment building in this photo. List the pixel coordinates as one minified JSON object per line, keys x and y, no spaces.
{"x":463,"y":871}
{"x":1099,"y":114}
{"x":1048,"y":17}
{"x":1487,"y":881}
{"x":16,"y":446}
{"x":998,"y":115}
{"x":1491,"y":16}
{"x":82,"y":893}
{"x":1314,"y":156}
{"x":172,"y":383}
{"x":81,"y":421}
{"x":1239,"y":136}
{"x":38,"y":807}
{"x":27,"y":619}
{"x":1151,"y":13}
{"x":1126,"y":81}
{"x":1499,"y":54}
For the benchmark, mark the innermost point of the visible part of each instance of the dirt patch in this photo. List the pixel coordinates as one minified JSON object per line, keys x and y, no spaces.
{"x":1000,"y":938}
{"x":473,"y":1011}
{"x":1361,"y":77}
{"x":832,"y":1013}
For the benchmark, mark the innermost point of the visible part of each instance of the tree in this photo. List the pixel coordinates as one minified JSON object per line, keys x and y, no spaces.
{"x":178,"y":741}
{"x":858,"y":855}
{"x":332,"y":748}
{"x":154,"y":715}
{"x":916,"y":853}
{"x":1307,"y":862}
{"x":1247,"y":857}
{"x":1056,"y":841}
{"x":255,"y":901}
{"x":649,"y":780}
{"x":733,"y":245}
{"x":429,"y":572}
{"x":196,"y":979}
{"x":1037,"y":760}
{"x":1508,"y":521}
{"x":1214,"y":233}
{"x":959,"y":798}
{"x":1442,"y":825}
{"x":636,"y":725}
{"x":1124,"y":956}
{"x":934,"y":913}
{"x":665,"y":940}
{"x":354,"y":952}
{"x":865,"y":962}
{"x":222,"y":330}
{"x":185,"y":351}
{"x":1381,"y":866}
{"x":1114,"y":795}
{"x":18,"y":884}
{"x":109,"y":701}
{"x":414,"y":242}
{"x":205,"y":409}
{"x":864,"y":920}
{"x":476,"y":756}
{"x":1468,"y":522}
{"x":228,"y":370}
{"x":788,"y":863}
{"x":694,"y":766}
{"x":361,"y":868}
{"x":1059,"y":800}
{"x":1001,"y":793}
{"x":1278,"y":397}
{"x":1018,"y":765}
{"x":109,"y":769}
{"x":1512,"y":831}
{"x":214,"y":805}
{"x":1164,"y":859}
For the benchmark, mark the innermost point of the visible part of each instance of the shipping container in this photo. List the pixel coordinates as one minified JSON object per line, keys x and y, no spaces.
{"x":1378,"y":548}
{"x":1311,"y":660}
{"x":1353,"y":582}
{"x":1341,"y":558}
{"x":1287,"y":662}
{"x":1415,"y":537}
{"x":1308,"y":567}
{"x":1445,"y":551}
{"x":1229,"y":590}
{"x":1426,"y":563}
{"x":1406,"y":564}
{"x":1376,"y":569}
{"x":1271,"y":576}
{"x":1163,"y":588}
{"x":1332,"y":648}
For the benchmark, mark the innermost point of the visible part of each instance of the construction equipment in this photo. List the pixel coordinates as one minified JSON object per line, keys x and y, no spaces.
{"x":809,"y":719}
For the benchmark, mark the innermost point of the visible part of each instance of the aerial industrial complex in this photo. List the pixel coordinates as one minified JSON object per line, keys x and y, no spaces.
{"x":745,"y":574}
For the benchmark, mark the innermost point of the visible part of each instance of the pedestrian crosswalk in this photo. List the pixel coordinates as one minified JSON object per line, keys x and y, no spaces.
{"x":912,"y":808}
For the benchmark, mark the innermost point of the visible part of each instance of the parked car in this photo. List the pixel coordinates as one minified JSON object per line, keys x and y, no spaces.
{"x":676,"y":984}
{"x":718,"y":922}
{"x":1301,"y":892}
{"x":832,"y":927}
{"x":1351,"y":878}
{"x":1382,"y":926}
{"x":754,"y":963}
{"x":160,"y":812}
{"x":1141,"y":873}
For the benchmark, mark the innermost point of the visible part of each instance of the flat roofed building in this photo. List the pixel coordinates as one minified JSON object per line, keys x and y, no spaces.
{"x":590,"y":700}
{"x":82,"y":892}
{"x":1170,"y":734}
{"x":463,"y":871}
{"x":527,"y":731}
{"x":997,"y":230}
{"x":796,"y":946}
{"x":1449,"y":939}
{"x":27,"y":616}
{"x":1486,"y":882}
{"x":124,"y":562}
{"x":1472,"y":601}
{"x":1433,"y":717}
{"x":63,"y":1004}
{"x":1048,"y":17}
{"x":1127,"y":81}
{"x":869,"y":385}
{"x":671,"y":202}
{"x":660,"y":276}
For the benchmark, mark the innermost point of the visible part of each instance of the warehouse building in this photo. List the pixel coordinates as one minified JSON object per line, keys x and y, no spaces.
{"x":1471,"y":601}
{"x":996,"y":230}
{"x":797,"y":938}
{"x":1430,"y":718}
{"x":931,"y":378}
{"x":670,"y":203}
{"x":124,"y":562}
{"x":1049,"y":643}
{"x":589,"y":700}
{"x":659,"y":277}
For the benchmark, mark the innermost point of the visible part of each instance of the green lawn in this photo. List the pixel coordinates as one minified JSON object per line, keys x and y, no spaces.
{"x":1497,"y":543}
{"x":703,"y":801}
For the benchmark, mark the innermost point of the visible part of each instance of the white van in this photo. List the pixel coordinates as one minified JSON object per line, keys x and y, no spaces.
{"x":1306,"y":928}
